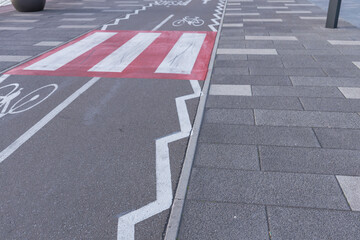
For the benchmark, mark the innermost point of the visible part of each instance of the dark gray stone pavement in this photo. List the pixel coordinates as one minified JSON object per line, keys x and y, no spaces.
{"x":281,"y":161}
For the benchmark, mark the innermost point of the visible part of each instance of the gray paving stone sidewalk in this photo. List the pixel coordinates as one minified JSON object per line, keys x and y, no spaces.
{"x":278,"y":155}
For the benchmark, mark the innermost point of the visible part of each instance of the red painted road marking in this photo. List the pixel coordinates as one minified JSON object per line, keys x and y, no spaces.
{"x":166,"y":55}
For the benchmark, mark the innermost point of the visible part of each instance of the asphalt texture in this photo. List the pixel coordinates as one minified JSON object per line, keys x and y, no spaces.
{"x":94,"y":161}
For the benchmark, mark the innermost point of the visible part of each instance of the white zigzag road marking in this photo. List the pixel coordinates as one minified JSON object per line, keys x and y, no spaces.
{"x":164,"y":196}
{"x":127,"y":16}
{"x":218,"y":12}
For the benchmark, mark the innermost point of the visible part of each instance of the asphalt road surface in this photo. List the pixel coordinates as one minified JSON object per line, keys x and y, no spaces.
{"x":97,"y":100}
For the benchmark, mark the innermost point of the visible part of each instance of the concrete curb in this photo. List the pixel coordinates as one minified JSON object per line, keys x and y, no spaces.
{"x":177,"y":208}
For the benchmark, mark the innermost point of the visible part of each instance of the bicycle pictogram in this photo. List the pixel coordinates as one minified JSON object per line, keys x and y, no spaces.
{"x":196,"y":21}
{"x":10,"y":92}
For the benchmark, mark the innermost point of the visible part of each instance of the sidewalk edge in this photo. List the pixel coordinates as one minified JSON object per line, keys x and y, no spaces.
{"x":177,"y":208}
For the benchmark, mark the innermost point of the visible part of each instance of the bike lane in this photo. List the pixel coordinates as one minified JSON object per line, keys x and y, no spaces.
{"x":95,"y":162}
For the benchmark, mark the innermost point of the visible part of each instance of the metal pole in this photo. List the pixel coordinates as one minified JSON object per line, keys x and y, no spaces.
{"x":333,"y":14}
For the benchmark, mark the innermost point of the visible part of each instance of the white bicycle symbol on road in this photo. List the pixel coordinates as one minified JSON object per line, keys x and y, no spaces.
{"x":11,"y":91}
{"x":196,"y":21}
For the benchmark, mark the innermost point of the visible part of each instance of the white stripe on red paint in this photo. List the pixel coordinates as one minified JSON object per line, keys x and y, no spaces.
{"x":124,"y":55}
{"x":182,"y":57}
{"x":127,"y":54}
{"x":66,"y":55}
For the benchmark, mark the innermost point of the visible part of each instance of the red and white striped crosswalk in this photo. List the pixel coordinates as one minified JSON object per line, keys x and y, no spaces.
{"x":128,"y":54}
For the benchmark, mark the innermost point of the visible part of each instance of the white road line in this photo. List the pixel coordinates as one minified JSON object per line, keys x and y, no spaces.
{"x":183,"y":115}
{"x":4,"y":3}
{"x":357,"y":64}
{"x":45,"y":120}
{"x":164,"y":196}
{"x":66,"y":55}
{"x":162,"y":23}
{"x":3,"y":77}
{"x":118,"y":60}
{"x":116,"y":21}
{"x":182,"y":56}
{"x":218,"y":14}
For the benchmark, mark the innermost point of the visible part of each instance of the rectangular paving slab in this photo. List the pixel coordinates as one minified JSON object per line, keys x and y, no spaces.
{"x":281,"y":189}
{"x":338,"y":138}
{"x":309,"y":160}
{"x":299,"y":223}
{"x":230,"y":116}
{"x":331,"y":104}
{"x":306,"y":119}
{"x":242,"y":134}
{"x":227,"y":221}
{"x":291,"y":103}
{"x":227,"y":156}
{"x":297,"y":91}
